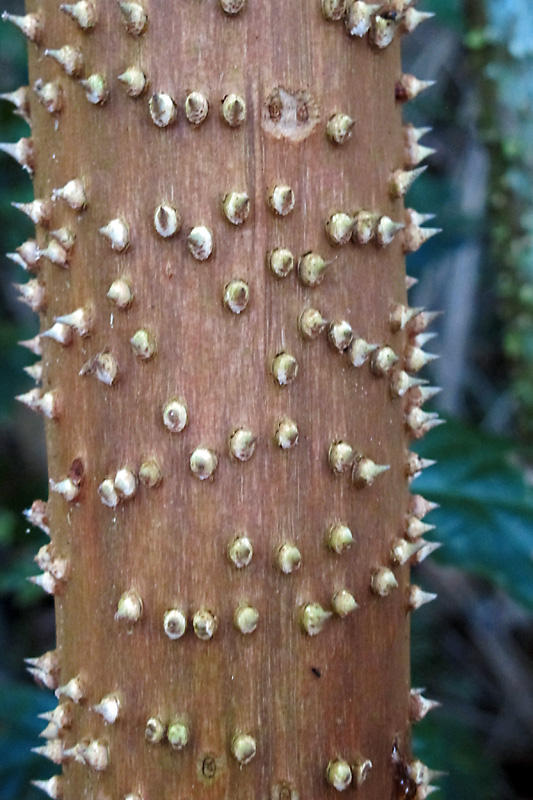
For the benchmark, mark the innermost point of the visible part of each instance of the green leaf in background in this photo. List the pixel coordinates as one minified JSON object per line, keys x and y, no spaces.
{"x":486,"y":515}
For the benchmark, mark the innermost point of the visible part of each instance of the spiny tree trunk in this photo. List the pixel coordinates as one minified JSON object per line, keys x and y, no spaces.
{"x":228,"y":363}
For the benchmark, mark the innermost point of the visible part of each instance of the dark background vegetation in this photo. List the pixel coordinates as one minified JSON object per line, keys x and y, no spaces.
{"x":473,"y":649}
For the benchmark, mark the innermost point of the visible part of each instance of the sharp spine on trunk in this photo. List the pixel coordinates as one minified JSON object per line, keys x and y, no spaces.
{"x":53,"y":750}
{"x":68,"y":487}
{"x":178,"y":734}
{"x":419,"y":506}
{"x":61,"y":716}
{"x":174,"y":623}
{"x":50,"y":95}
{"x":120,"y":293}
{"x":144,"y":344}
{"x":413,"y":237}
{"x":22,"y":151}
{"x":415,"y":154}
{"x":358,"y":19}
{"x":402,"y":180}
{"x":423,"y":321}
{"x":409,"y":87}
{"x":129,"y":607}
{"x":27,"y":256}
{"x":133,"y":81}
{"x":72,"y":193}
{"x":286,"y":435}
{"x":382,"y":361}
{"x":365,"y":226}
{"x":32,"y":294}
{"x":243,"y":747}
{"x":196,"y":108}
{"x":233,"y":110}
{"x":125,"y":483}
{"x":74,"y":690}
{"x":35,"y":371}
{"x":83,"y":13}
{"x":203,"y":463}
{"x":415,"y":528}
{"x":246,"y":619}
{"x":416,"y":359}
{"x":162,"y":109}
{"x":402,"y":550}
{"x":45,"y":669}
{"x":343,"y":603}
{"x":362,"y":767}
{"x":412,"y":19}
{"x":200,"y":242}
{"x":49,"y":562}
{"x":383,"y":582}
{"x":236,"y":296}
{"x":281,"y":262}
{"x":360,"y":351}
{"x":204,"y":624}
{"x":284,"y":369}
{"x":167,"y":221}
{"x":339,"y":128}
{"x":104,"y":366}
{"x":382,"y":31}
{"x":39,"y":211}
{"x":387,"y":230}
{"x":154,"y":731}
{"x":69,"y":58}
{"x":53,"y":787}
{"x":79,"y":320}
{"x":150,"y":474}
{"x":242,"y":444}
{"x":117,"y":233}
{"x":31,"y":25}
{"x":50,"y":403}
{"x":425,"y":551}
{"x":311,"y":323}
{"x":20,"y":99}
{"x":96,"y":88}
{"x":334,"y":10}
{"x":35,"y":345}
{"x":37,"y":515}
{"x":46,"y":581}
{"x":340,"y":538}
{"x":94,"y":754}
{"x":313,"y":618}
{"x":414,"y":464}
{"x":311,"y":269}
{"x":175,"y":416}
{"x":339,"y":774}
{"x":56,"y":254}
{"x":281,"y":200}
{"x":108,"y":494}
{"x":288,"y":558}
{"x":401,"y":316}
{"x":365,"y":471}
{"x":341,"y":457}
{"x":418,"y":598}
{"x":108,"y":708}
{"x":340,"y":335}
{"x":236,"y":207}
{"x":339,"y":228}
{"x":59,"y":332}
{"x":419,"y":705}
{"x":240,"y":551}
{"x":134,"y":16}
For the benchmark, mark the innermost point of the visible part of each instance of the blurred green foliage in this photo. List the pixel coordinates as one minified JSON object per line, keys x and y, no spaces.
{"x":472,"y":650}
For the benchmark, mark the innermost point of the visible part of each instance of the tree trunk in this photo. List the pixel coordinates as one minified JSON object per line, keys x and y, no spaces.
{"x":230,"y":562}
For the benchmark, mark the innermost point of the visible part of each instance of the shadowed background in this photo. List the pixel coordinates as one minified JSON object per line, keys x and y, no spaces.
{"x":472,"y":649}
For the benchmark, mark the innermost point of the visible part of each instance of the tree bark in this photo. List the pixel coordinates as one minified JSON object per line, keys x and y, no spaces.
{"x":309,"y":691}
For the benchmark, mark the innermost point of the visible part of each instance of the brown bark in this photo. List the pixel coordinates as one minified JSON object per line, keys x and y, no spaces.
{"x":306,"y":700}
